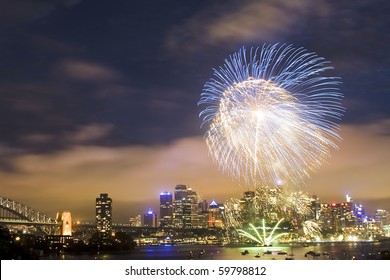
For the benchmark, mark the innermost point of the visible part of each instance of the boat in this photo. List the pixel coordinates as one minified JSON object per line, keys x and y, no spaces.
{"x":190,"y":255}
{"x":246,"y":252}
{"x":201,"y":253}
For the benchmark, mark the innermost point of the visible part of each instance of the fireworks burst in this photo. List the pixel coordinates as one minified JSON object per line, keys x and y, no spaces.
{"x":262,"y":240}
{"x":271,"y":114}
{"x":311,"y":230}
{"x":268,"y":203}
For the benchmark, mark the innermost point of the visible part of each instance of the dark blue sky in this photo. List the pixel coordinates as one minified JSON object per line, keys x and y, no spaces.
{"x":149,"y":60}
{"x":130,"y":73}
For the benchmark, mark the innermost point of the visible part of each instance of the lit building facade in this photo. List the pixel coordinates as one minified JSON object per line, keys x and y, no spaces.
{"x":325,"y":218}
{"x":248,"y":208}
{"x":104,"y":216}
{"x":203,"y":214}
{"x":348,"y":221}
{"x":315,"y":207}
{"x":193,"y":199}
{"x":166,"y":209}
{"x":359,"y":213}
{"x":135,"y":221}
{"x":381,"y":217}
{"x":185,"y":207}
{"x":335,"y":217}
{"x":150,"y":219}
{"x":215,"y":215}
{"x":64,"y":219}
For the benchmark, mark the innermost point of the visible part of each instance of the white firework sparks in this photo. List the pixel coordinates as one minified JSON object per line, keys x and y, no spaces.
{"x":270,"y":114}
{"x":311,"y":230}
{"x":268,"y":203}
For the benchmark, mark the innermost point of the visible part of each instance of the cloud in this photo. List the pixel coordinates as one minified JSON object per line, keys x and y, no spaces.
{"x":6,"y":150}
{"x":87,"y":71}
{"x":134,"y":175}
{"x":80,"y":135}
{"x":37,"y":138}
{"x":90,"y":132}
{"x":51,"y":45}
{"x":131,"y":174}
{"x":245,"y":21}
{"x":20,"y":11}
{"x":361,"y":166}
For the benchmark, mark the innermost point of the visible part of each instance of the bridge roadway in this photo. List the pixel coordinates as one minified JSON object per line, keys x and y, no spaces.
{"x":115,"y":227}
{"x":5,"y":221}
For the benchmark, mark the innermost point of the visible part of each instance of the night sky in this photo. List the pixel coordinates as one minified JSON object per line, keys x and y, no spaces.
{"x":101,"y":96}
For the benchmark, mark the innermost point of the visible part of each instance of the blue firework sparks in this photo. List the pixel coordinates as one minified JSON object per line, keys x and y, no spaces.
{"x":272,"y":114}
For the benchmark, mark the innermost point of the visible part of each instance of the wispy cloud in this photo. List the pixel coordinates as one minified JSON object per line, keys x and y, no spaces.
{"x":87,"y":133}
{"x":87,"y":71}
{"x":242,"y":22}
{"x":130,"y":174}
{"x":20,"y":11}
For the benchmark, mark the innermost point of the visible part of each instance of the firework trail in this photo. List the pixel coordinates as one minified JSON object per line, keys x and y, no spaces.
{"x":271,"y":114}
{"x":263,"y":239}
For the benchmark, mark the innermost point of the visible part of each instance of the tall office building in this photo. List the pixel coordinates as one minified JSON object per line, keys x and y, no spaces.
{"x":203,"y":214}
{"x":193,"y":199}
{"x":185,"y":207}
{"x":348,"y":218}
{"x":325,"y":219}
{"x":315,"y":207}
{"x":248,"y":208}
{"x":215,"y":215}
{"x":166,"y":209}
{"x":336,"y":211}
{"x":358,"y":211}
{"x":104,"y":216}
{"x":150,"y":219}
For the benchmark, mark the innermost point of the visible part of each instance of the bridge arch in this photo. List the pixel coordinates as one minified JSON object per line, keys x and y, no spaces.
{"x":23,"y":214}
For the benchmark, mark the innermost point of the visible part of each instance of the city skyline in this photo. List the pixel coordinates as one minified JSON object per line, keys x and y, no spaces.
{"x":102,"y":98}
{"x":155,"y":208}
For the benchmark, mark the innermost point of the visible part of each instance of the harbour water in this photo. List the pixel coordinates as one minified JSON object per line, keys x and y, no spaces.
{"x":315,"y":251}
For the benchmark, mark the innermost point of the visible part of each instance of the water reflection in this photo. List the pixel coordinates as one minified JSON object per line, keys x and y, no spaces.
{"x":316,"y":251}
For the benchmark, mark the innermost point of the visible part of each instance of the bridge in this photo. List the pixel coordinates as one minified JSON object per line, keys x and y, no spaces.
{"x":15,"y":213}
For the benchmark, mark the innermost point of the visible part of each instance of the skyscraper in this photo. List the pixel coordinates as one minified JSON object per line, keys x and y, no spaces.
{"x":104,"y":216}
{"x":248,"y":208}
{"x":215,"y":215}
{"x":315,"y":207}
{"x":150,"y":219}
{"x":185,"y":207}
{"x":181,"y":207}
{"x":166,"y":209}
{"x":358,"y":211}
